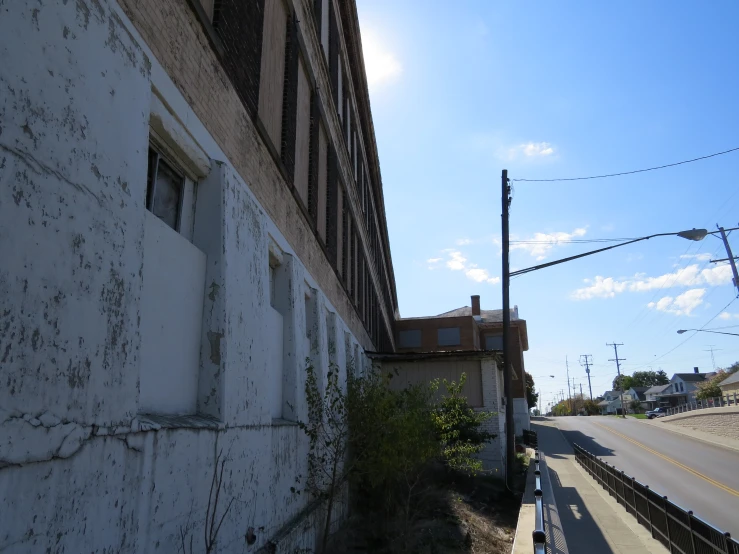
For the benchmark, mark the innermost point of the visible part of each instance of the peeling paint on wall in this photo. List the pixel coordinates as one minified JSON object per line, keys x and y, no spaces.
{"x":80,"y":468}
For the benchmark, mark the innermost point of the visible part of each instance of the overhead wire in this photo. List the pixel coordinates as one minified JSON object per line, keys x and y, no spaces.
{"x":628,"y":172}
{"x":687,"y":339}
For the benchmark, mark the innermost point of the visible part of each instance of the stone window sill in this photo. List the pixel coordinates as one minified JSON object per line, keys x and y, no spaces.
{"x":279,"y":422}
{"x":154,"y":422}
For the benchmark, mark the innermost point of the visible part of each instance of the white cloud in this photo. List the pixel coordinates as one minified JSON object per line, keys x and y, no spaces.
{"x":683,"y":304}
{"x":382,"y":65}
{"x":541,"y":243}
{"x":726,"y":315}
{"x":463,"y":242}
{"x":608,"y":287}
{"x":698,"y":257}
{"x":481,"y":275}
{"x":600,"y":287}
{"x":456,"y":261}
{"x":531,"y":150}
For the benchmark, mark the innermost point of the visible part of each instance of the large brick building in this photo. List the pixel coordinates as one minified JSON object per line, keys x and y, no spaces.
{"x":191,"y":210}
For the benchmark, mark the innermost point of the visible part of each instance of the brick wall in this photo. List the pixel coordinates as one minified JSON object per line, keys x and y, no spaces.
{"x":429,"y":333}
{"x":225,"y":98}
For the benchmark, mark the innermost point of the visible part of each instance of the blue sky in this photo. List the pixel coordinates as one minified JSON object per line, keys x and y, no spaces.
{"x":462,"y":90}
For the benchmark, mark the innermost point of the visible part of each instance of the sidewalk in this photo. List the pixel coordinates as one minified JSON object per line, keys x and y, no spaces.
{"x":592,"y":521}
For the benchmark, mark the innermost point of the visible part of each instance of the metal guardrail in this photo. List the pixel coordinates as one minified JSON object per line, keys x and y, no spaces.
{"x":677,"y":529}
{"x":539,"y":535}
{"x":718,"y":402}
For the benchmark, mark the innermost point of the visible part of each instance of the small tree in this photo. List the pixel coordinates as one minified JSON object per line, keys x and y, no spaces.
{"x":459,"y":428}
{"x":711,"y":388}
{"x":635,"y":406}
{"x":392,"y":441}
{"x":327,"y":429}
{"x":532,"y":397}
{"x":591,"y":407}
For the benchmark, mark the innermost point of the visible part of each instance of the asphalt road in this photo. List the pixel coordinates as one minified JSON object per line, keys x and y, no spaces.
{"x":695,"y":475}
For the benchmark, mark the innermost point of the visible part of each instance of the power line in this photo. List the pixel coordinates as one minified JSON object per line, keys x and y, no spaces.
{"x":629,"y":172}
{"x":687,"y":339}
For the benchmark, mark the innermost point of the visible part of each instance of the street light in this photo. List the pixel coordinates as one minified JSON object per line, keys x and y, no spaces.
{"x":681,"y":331}
{"x":692,"y":234}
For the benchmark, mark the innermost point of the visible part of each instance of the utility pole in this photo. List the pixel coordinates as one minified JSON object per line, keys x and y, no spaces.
{"x":581,"y":396}
{"x":569,"y":394}
{"x":711,"y":348}
{"x":507,"y":381}
{"x":618,"y":369}
{"x":586,"y":360}
{"x":731,"y":259}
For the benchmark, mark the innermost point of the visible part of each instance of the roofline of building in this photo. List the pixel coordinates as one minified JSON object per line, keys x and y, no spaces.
{"x":412,"y":356}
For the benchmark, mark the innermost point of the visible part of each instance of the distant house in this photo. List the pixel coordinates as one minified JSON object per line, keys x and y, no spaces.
{"x":651,"y":395}
{"x":611,"y":403}
{"x":637,"y":393}
{"x":730,"y":385}
{"x":682,"y":388}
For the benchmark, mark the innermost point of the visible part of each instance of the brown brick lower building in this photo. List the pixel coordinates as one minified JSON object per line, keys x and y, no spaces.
{"x":469,"y":329}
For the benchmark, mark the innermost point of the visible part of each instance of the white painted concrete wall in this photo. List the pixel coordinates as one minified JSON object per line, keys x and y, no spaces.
{"x":81,"y":468}
{"x":521,"y":417}
{"x":171,"y":320}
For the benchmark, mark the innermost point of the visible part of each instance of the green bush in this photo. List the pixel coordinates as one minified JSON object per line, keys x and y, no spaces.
{"x":392,"y":439}
{"x":459,"y":428}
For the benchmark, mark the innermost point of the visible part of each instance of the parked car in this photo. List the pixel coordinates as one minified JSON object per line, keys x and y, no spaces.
{"x":657,"y":412}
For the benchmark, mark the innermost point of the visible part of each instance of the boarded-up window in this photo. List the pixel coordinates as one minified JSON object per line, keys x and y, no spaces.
{"x":494,"y":342}
{"x":322,"y":180}
{"x":338,"y":227}
{"x":302,"y":134}
{"x":410,"y":338}
{"x":273,"y":69}
{"x":422,"y":373}
{"x":448,"y":336}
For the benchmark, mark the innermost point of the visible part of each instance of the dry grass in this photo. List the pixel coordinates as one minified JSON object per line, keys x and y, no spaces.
{"x":450,"y":516}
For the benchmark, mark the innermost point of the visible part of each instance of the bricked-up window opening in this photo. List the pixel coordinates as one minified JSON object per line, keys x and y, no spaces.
{"x":332,"y":207}
{"x":353,"y":263}
{"x":313,"y":148}
{"x":494,"y":342}
{"x":448,"y":336}
{"x":344,"y":244}
{"x":289,"y":98}
{"x":240,"y":27}
{"x":164,"y":189}
{"x":333,"y":57}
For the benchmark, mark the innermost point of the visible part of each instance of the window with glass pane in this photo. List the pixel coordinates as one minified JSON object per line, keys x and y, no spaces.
{"x":164,"y":190}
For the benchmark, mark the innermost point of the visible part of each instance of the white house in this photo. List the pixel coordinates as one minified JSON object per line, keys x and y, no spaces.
{"x":683,"y":387}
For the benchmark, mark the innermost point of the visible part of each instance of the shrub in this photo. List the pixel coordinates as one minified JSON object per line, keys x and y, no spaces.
{"x":459,"y":429}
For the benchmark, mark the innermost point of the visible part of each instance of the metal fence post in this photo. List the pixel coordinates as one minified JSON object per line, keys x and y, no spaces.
{"x":690,"y":528}
{"x":649,"y":511}
{"x":667,"y":521}
{"x":633,"y":498}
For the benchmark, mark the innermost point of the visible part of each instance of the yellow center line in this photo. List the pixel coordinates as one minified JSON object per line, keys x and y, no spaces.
{"x":674,"y":462}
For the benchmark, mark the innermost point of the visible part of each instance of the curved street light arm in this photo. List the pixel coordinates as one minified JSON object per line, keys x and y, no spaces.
{"x":684,"y":234}
{"x":681,"y":331}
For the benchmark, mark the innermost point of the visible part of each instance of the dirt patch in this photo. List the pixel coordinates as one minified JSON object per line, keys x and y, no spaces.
{"x":470,"y":515}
